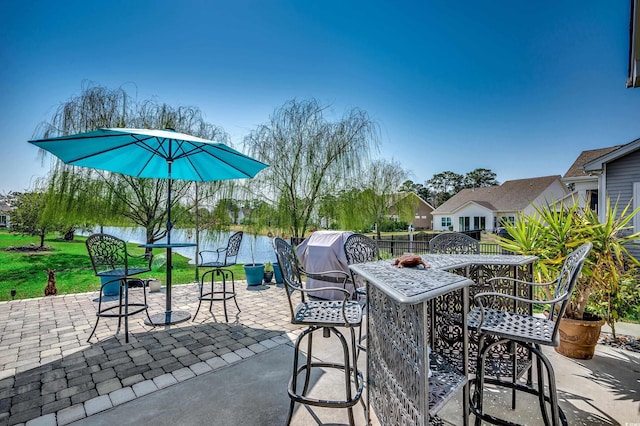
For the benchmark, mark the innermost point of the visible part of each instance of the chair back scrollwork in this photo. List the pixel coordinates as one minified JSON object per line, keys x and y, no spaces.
{"x":108,"y":253}
{"x":454,"y":243}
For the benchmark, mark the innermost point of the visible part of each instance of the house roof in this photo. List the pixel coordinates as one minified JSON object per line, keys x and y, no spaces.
{"x":403,"y":194}
{"x":577,"y":168}
{"x":512,"y":195}
{"x":620,"y":151}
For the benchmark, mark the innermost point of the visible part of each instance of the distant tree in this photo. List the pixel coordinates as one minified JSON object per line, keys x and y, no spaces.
{"x":444,"y":186}
{"x":328,"y":209}
{"x":480,"y":178}
{"x":380,"y":183}
{"x":408,"y":186}
{"x":27,"y":217}
{"x":310,"y":157}
{"x":417,"y":188}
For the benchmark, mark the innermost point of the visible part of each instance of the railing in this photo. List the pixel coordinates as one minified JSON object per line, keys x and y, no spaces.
{"x":399,"y":244}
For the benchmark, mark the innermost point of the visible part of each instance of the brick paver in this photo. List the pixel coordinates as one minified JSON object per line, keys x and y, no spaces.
{"x":50,"y":375}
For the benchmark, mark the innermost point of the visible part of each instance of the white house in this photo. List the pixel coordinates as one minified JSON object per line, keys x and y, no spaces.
{"x":486,"y":208}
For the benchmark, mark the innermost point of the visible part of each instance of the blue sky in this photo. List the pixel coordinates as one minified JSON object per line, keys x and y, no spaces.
{"x":517,"y":87}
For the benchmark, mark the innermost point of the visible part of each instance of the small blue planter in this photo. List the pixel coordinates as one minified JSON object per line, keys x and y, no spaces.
{"x":278,"y":273}
{"x":254,"y":273}
{"x":111,"y":289}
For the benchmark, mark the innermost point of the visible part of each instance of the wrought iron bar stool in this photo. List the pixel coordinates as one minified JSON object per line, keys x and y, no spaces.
{"x":359,"y":248}
{"x":225,"y":257}
{"x":320,"y":315}
{"x":111,"y":260}
{"x":497,"y":326}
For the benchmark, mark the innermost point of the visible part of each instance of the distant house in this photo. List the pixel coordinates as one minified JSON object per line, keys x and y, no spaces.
{"x":583,"y":185}
{"x":5,"y":215}
{"x":486,"y":208}
{"x":423,"y":218}
{"x":618,"y":173}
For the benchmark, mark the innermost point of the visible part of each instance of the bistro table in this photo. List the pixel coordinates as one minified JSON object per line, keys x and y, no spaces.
{"x":399,"y":331}
{"x":169,"y":316}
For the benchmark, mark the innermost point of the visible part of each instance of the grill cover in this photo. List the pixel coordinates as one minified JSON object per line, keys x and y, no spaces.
{"x":324,"y":251}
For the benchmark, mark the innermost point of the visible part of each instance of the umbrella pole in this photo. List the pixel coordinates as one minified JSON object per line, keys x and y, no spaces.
{"x":169,"y":260}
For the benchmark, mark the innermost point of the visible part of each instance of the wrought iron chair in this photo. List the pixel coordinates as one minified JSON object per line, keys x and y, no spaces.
{"x":496,"y":326}
{"x":225,"y":257}
{"x":359,"y":248}
{"x":111,"y":260}
{"x":454,"y":243}
{"x":322,"y":315}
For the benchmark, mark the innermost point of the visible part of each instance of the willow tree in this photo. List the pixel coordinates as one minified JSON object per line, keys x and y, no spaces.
{"x":82,"y":195}
{"x":376,"y":196}
{"x":310,"y":156}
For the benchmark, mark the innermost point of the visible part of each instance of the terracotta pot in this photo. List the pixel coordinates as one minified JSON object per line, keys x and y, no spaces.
{"x":578,"y":338}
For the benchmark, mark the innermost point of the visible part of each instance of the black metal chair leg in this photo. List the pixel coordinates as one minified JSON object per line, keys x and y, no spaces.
{"x":119,"y":307}
{"x":347,"y":374}
{"x":514,"y":372}
{"x":307,"y":376}
{"x":94,"y":328}
{"x":233,"y":287}
{"x":479,"y":389}
{"x":146,"y":310}
{"x":224,"y":296}
{"x":541,"y":401}
{"x":126,"y":311}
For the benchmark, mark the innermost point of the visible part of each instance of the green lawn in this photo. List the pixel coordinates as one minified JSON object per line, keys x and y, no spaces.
{"x":26,"y":271}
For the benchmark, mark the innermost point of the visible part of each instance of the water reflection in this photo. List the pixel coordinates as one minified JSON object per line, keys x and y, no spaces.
{"x":209,"y":240}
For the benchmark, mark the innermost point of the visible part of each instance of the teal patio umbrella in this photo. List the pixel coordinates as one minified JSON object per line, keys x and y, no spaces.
{"x":146,"y":153}
{"x":160,"y":154}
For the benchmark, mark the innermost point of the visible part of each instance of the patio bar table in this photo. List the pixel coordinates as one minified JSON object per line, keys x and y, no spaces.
{"x":400,"y":304}
{"x":169,"y":316}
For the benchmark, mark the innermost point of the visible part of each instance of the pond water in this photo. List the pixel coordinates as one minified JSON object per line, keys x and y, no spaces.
{"x":209,"y":240}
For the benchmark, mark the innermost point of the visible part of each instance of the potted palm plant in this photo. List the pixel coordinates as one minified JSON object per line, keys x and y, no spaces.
{"x":555,"y":230}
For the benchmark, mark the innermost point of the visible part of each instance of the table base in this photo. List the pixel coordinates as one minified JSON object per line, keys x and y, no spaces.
{"x":165,"y":318}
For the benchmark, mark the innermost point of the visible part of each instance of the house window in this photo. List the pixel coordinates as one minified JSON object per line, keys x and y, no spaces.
{"x":465,"y":223}
{"x":446,"y":222}
{"x":592,"y":197}
{"x":479,"y":222}
{"x":3,"y":221}
{"x":507,"y":219}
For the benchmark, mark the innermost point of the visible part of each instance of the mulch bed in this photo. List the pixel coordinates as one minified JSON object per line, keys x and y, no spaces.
{"x":29,"y":248}
{"x":629,"y":343}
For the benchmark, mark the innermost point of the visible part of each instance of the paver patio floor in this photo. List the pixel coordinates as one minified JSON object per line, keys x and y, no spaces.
{"x":46,"y":365}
